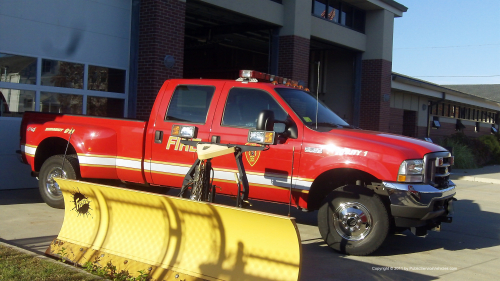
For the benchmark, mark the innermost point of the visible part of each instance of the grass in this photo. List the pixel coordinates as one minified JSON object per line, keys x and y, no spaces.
{"x":16,"y":265}
{"x":464,"y":157}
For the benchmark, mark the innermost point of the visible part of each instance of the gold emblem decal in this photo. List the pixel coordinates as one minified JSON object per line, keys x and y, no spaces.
{"x":252,"y":156}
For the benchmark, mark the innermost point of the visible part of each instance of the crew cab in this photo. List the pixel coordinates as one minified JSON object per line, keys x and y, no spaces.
{"x":365,"y":184}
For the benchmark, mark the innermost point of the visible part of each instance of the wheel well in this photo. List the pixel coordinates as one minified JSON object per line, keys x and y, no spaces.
{"x":50,"y":147}
{"x":332,"y":179}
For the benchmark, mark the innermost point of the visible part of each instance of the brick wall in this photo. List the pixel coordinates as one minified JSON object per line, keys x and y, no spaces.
{"x":421,"y":132}
{"x":375,"y":95}
{"x":396,"y":121}
{"x":161,"y":33}
{"x":293,"y":60}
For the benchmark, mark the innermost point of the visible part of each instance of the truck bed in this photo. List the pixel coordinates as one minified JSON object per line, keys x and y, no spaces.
{"x":109,"y":148}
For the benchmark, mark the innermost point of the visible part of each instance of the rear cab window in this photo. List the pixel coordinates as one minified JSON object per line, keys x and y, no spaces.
{"x":190,"y":104}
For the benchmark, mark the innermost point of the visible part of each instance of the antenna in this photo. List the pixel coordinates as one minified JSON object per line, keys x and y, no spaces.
{"x":317,"y":96}
{"x":65,"y":152}
{"x":291,"y":179}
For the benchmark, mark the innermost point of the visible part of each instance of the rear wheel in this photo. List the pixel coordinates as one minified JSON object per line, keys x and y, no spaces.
{"x":353,"y":220}
{"x":52,"y":168}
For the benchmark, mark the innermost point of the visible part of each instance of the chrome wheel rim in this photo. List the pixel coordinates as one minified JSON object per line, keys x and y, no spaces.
{"x":51,"y":185}
{"x":352,"y":221}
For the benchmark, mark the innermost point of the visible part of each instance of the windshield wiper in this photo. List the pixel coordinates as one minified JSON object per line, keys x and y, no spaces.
{"x":325,"y":124}
{"x":332,"y":125}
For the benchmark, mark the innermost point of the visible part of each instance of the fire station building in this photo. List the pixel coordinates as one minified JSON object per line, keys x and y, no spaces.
{"x":110,"y":58}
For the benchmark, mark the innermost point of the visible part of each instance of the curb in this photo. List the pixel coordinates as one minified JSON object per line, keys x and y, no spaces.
{"x":474,"y":178}
{"x":70,"y":267}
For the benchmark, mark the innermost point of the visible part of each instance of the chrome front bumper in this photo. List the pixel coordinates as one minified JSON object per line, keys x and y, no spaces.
{"x":414,"y":205}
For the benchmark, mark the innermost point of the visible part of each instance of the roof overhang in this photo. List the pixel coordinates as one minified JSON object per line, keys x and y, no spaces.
{"x":390,"y":5}
{"x":425,"y":88}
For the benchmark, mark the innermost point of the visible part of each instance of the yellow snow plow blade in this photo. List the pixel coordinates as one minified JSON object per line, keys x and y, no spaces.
{"x":172,"y":238}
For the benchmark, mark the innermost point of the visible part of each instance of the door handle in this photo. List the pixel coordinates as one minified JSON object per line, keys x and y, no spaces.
{"x":158,"y":136}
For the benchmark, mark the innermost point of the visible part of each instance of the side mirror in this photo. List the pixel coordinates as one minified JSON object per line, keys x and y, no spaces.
{"x":292,"y":131}
{"x":265,"y":121}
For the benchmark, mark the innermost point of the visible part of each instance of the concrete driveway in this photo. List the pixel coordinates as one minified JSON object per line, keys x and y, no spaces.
{"x":469,"y":248}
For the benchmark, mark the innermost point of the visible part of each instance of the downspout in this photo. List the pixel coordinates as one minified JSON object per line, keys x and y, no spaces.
{"x":433,"y":103}
{"x":134,"y":59}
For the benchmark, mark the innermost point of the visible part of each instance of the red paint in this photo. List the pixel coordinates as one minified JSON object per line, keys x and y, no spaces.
{"x":379,"y":154}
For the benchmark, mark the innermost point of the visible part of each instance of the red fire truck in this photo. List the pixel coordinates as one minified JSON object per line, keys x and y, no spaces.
{"x":364,"y":184}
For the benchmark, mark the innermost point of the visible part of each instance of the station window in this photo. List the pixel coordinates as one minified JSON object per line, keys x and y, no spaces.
{"x":446,"y":110}
{"x":27,"y":84}
{"x":339,"y":12}
{"x":319,"y":8}
{"x":105,"y":107}
{"x":17,"y":69}
{"x":14,"y":102}
{"x":62,"y":74}
{"x":333,"y":11}
{"x":347,"y":15}
{"x":106,"y":79}
{"x":61,"y":103}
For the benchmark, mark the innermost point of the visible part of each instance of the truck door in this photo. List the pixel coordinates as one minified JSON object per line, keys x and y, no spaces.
{"x":192,"y":104}
{"x":268,"y":172}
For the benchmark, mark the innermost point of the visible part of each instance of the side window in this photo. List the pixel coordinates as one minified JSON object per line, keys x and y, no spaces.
{"x":190,"y":103}
{"x":244,"y":105}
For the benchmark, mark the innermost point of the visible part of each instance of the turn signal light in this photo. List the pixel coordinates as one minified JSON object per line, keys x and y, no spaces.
{"x":183,"y":131}
{"x":439,"y":161}
{"x":261,"y":137}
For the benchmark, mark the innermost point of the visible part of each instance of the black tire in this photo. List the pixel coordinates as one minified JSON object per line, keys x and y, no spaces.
{"x":353,"y":220}
{"x":52,"y":167}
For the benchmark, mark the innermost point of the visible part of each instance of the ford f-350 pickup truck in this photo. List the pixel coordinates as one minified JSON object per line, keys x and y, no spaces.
{"x":365,"y":184}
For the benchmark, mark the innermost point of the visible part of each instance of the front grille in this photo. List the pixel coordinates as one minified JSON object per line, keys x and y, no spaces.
{"x":437,"y":175}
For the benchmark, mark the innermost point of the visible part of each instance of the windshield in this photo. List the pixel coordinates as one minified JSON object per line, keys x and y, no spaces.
{"x":304,"y":105}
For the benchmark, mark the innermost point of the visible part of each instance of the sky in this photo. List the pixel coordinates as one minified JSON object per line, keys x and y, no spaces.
{"x":448,"y":41}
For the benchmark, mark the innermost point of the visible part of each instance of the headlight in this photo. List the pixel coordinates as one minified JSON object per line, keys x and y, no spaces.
{"x":411,"y":171}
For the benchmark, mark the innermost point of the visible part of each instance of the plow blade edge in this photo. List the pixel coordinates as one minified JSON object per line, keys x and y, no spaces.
{"x":172,"y":238}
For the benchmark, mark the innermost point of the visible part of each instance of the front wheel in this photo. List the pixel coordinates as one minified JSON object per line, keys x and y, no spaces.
{"x":353,"y":220}
{"x":52,"y":168}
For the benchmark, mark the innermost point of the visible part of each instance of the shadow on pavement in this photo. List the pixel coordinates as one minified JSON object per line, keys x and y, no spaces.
{"x":319,"y":262}
{"x":36,"y":244}
{"x":20,"y":196}
{"x":472,"y":229}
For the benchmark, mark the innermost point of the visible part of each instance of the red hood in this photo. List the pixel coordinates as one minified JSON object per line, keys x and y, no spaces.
{"x":386,"y":143}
